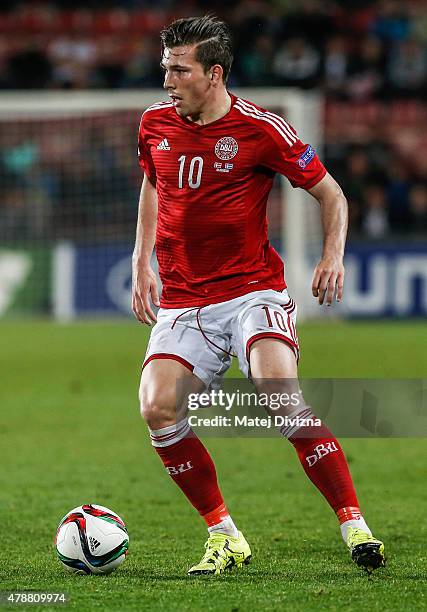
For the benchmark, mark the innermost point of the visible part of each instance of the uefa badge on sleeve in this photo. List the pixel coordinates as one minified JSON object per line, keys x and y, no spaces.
{"x":306,"y":157}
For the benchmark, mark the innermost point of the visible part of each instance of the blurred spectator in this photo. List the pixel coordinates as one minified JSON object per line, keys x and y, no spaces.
{"x":310,"y":18}
{"x":256,"y":64}
{"x":336,"y":66}
{"x":357,"y":173}
{"x":399,"y":184}
{"x":297,"y":64}
{"x":353,"y":177}
{"x":407,"y":70}
{"x":13,"y":210}
{"x":29,"y":68}
{"x":109,"y":72}
{"x":143,"y":66}
{"x":367,"y":70}
{"x":392,"y":22}
{"x":418,"y":208}
{"x":73,"y":56}
{"x":375,"y":218}
{"x":419,"y":21}
{"x":250,"y":19}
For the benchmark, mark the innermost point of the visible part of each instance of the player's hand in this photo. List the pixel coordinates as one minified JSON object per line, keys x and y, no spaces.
{"x":144,"y":291}
{"x":328,"y":280}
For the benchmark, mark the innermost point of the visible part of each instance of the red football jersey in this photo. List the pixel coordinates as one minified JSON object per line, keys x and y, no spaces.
{"x":213,"y":183}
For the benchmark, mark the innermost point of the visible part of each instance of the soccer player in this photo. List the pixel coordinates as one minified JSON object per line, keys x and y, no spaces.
{"x":209,"y":160}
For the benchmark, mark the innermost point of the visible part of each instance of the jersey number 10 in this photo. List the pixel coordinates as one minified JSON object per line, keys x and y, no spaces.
{"x":194,"y":177}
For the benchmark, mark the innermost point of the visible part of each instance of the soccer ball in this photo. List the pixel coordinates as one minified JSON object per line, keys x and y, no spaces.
{"x":91,"y":539}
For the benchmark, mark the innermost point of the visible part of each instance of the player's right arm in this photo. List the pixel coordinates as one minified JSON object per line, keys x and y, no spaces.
{"x":144,"y":281}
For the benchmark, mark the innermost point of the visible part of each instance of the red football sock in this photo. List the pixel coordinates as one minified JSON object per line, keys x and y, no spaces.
{"x":189,"y":464}
{"x":325,"y":464}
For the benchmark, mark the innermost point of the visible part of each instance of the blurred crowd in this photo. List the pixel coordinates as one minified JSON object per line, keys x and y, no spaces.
{"x":386,"y":196}
{"x":77,"y":178}
{"x":71,"y":178}
{"x":359,"y":52}
{"x":355,"y":50}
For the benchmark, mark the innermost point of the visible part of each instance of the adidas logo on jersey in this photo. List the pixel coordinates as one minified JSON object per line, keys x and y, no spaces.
{"x":93,"y":543}
{"x":164,"y":145}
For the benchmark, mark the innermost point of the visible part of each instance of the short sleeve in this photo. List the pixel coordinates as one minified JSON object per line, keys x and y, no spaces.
{"x":283,"y":152}
{"x":144,"y":155}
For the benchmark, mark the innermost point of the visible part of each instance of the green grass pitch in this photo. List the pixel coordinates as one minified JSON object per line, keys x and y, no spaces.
{"x":70,"y":433}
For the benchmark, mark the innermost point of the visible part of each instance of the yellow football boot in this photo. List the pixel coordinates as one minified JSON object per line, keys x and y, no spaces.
{"x":365,"y":550}
{"x":222,"y":553}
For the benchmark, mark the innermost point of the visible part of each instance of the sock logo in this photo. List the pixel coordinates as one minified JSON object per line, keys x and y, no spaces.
{"x":182,"y":467}
{"x":321,"y":451}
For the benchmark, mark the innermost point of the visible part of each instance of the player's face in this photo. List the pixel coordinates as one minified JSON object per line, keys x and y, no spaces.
{"x":186,"y":82}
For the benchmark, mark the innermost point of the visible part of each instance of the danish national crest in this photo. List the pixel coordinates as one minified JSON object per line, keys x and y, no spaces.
{"x":226,"y":148}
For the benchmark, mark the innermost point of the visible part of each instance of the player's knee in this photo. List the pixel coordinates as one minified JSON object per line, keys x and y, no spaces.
{"x":284,"y":396}
{"x":157,"y":406}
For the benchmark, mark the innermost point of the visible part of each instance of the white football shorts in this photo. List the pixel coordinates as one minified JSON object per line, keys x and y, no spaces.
{"x":204,"y":339}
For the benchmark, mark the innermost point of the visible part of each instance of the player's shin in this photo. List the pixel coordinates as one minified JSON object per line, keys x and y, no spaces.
{"x":189,"y":464}
{"x":324,"y":462}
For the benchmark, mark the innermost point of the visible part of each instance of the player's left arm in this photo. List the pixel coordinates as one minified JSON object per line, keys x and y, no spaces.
{"x":328,"y":277}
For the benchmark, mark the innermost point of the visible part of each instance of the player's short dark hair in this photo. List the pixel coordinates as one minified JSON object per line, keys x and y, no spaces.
{"x":211,"y":35}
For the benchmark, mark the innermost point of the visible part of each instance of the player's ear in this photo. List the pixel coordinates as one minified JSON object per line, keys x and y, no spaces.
{"x":216,"y":73}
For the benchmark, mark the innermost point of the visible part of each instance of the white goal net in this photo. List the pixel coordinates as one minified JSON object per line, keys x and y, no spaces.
{"x":69,"y":183}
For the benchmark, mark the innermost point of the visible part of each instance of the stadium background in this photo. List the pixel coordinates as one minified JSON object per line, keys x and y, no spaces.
{"x":76,"y":178}
{"x":69,"y":429}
